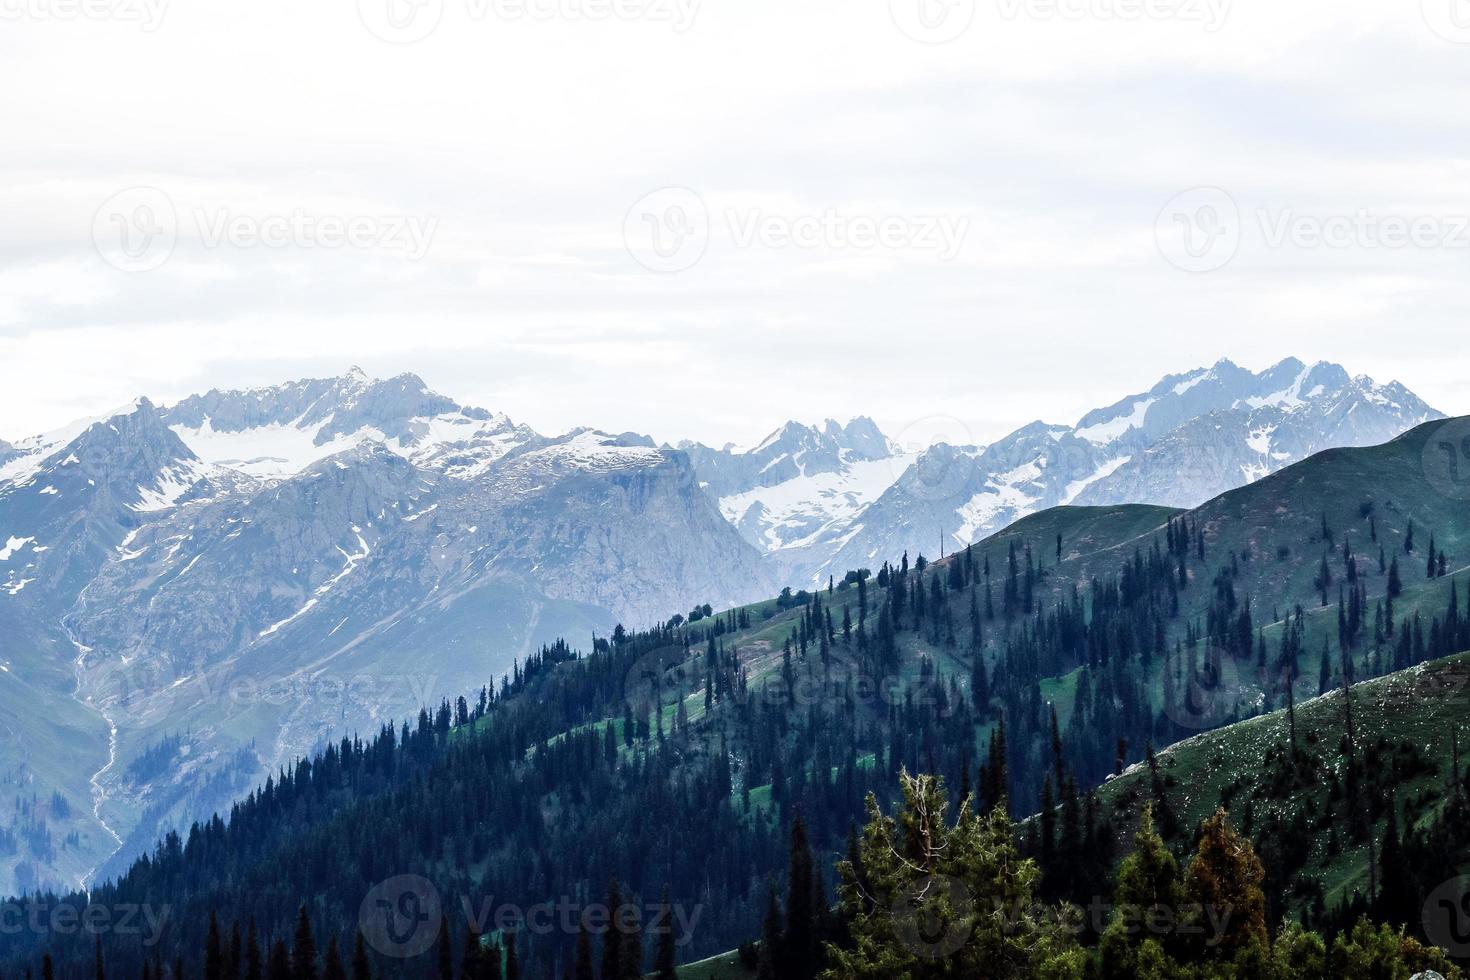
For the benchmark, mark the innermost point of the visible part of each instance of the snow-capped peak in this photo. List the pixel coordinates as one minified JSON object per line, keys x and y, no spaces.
{"x":279,"y":431}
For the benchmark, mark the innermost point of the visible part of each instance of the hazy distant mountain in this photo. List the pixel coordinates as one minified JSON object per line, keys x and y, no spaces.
{"x":1292,"y":412}
{"x":1189,"y":438}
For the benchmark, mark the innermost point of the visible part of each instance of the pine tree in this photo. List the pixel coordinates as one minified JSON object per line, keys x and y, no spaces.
{"x":612,"y":948}
{"x":213,"y":954}
{"x":995,"y":784}
{"x":582,"y":969}
{"x":771,"y":929}
{"x":512,"y":958}
{"x":933,"y":886}
{"x":333,"y":969}
{"x":632,"y":944}
{"x":665,"y":961}
{"x":1148,"y":879}
{"x":361,"y":968}
{"x":1398,"y":903}
{"x":278,"y":963}
{"x":1226,"y":874}
{"x":470,"y":965}
{"x":445,"y":954}
{"x":799,"y":944}
{"x":232,"y":956}
{"x":303,"y":949}
{"x":253,"y":965}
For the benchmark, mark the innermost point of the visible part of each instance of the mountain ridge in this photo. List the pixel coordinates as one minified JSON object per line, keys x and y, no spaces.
{"x":365,"y":534}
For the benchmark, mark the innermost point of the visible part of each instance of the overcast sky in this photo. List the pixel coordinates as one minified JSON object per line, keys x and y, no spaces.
{"x":698,"y":219}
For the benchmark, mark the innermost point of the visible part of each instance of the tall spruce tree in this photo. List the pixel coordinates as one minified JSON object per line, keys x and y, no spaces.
{"x":361,"y":967}
{"x":214,"y":959}
{"x":665,"y":961}
{"x":612,"y":939}
{"x":303,"y":949}
{"x":332,"y":968}
{"x":582,"y":968}
{"x":799,"y":944}
{"x":253,"y":963}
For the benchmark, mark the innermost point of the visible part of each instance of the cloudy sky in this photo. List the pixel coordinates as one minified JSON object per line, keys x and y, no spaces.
{"x":698,"y":218}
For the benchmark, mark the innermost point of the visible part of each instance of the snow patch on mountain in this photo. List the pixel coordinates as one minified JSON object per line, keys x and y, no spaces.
{"x":13,"y":546}
{"x":1105,"y":433}
{"x":802,"y":483}
{"x":352,"y":560}
{"x":172,"y":483}
{"x":1105,"y":470}
{"x":981,"y":510}
{"x":273,"y":450}
{"x":792,"y":513}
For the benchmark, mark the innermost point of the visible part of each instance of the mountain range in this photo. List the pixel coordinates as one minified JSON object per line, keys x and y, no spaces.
{"x":1040,"y":667}
{"x":820,"y":501}
{"x":197,"y":594}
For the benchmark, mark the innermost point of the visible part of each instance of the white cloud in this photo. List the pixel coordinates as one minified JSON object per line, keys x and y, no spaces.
{"x":526,"y":141}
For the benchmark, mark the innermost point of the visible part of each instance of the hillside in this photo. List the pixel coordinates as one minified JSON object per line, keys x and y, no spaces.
{"x":1407,"y":730}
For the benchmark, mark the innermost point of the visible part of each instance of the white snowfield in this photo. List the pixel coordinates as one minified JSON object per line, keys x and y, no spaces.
{"x":795,"y":513}
{"x":280,"y":450}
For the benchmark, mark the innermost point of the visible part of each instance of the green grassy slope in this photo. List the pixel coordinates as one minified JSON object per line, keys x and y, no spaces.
{"x":726,"y":966}
{"x":1413,"y":712}
{"x":1273,"y":526}
{"x":1270,"y":532}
